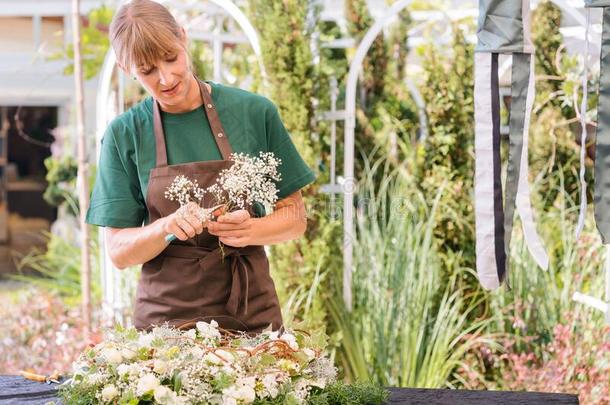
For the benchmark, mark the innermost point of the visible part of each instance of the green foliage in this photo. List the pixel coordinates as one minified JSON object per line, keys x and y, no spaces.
{"x":549,"y":43}
{"x":61,"y":182}
{"x":78,"y":396}
{"x":446,"y":156}
{"x":408,"y":327}
{"x":59,"y":269}
{"x":382,"y":88}
{"x":375,"y":63}
{"x":291,"y":77}
{"x":94,"y":43}
{"x":356,"y":393}
{"x":290,"y":66}
{"x":555,"y":129}
{"x":338,"y":393}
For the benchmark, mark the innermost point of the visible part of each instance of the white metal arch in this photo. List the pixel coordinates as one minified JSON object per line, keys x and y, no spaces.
{"x":110,"y":103}
{"x":350,"y":182}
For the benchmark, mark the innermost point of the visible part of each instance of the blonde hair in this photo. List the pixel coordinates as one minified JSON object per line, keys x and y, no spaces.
{"x":143,"y":32}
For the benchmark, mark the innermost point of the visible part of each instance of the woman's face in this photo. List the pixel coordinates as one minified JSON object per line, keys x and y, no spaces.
{"x":168,"y":80}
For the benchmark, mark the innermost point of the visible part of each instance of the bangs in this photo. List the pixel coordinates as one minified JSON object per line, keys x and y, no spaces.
{"x":145,"y":43}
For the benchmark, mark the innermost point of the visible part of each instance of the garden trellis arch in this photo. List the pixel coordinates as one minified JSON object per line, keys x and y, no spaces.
{"x":349,"y":129}
{"x":116,"y":286}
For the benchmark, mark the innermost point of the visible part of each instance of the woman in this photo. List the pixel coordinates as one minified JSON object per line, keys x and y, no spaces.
{"x":189,"y":127}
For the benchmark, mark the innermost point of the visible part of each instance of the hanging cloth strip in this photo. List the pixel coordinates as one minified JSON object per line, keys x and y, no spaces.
{"x":503,"y":29}
{"x":601,"y":197}
{"x":583,"y":131}
{"x":602,"y":147}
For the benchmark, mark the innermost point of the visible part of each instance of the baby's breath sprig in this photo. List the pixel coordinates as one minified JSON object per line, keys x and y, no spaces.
{"x":184,"y":190}
{"x":250,"y":179}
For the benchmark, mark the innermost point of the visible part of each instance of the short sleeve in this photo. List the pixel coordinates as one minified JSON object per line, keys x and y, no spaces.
{"x":116,"y":200}
{"x":295,"y":174}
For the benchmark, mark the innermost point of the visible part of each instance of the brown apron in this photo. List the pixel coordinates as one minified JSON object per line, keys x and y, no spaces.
{"x":190,"y":280}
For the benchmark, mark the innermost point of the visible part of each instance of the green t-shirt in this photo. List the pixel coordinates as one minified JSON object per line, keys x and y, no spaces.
{"x":128,"y":152}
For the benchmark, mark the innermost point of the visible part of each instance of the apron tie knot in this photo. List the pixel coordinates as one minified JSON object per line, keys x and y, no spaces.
{"x":239,"y":281}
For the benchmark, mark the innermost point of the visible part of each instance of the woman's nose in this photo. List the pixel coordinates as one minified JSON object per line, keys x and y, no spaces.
{"x":165,"y":76}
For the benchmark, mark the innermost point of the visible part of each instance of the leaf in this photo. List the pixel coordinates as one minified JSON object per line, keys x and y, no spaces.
{"x":177,"y":381}
{"x":266,"y":359}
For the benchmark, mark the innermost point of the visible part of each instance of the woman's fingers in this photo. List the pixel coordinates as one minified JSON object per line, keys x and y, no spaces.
{"x":235,"y":217}
{"x":232,"y":233}
{"x":232,"y":221}
{"x":235,"y":242}
{"x":187,"y":227}
{"x":173,"y":227}
{"x":194,"y":223}
{"x":215,"y":227}
{"x":184,"y":223}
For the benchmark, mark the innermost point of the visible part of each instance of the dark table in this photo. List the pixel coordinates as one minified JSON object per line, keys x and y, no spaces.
{"x":17,"y":390}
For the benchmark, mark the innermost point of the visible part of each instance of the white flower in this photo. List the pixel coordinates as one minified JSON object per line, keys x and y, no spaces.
{"x":94,"y":379}
{"x":247,"y":381}
{"x":191,"y":334}
{"x":184,"y":190}
{"x":80,"y":368}
{"x":145,"y":340}
{"x":165,"y":396}
{"x":228,"y":356}
{"x":147,"y":383}
{"x":244,"y":393}
{"x":128,"y":369}
{"x":208,"y":330}
{"x":123,"y":369}
{"x":218,"y":357}
{"x":301,"y":389}
{"x":249,"y":179}
{"x":291,"y":340}
{"x":228,"y":370}
{"x":309,"y":353}
{"x":226,"y":400}
{"x":159,"y":366}
{"x":128,"y":353}
{"x":112,"y":355}
{"x":196,"y":352}
{"x":271,"y":386}
{"x":109,"y":392}
{"x":318,"y":383}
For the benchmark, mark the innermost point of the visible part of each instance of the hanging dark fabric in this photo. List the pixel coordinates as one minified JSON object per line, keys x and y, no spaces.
{"x":503,"y":29}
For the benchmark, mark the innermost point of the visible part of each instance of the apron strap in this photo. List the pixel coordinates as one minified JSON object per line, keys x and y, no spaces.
{"x":159,"y":136}
{"x":218,"y":132}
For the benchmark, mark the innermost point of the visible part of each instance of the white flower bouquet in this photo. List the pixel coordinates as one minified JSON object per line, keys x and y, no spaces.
{"x":250,"y":180}
{"x":206,"y":365}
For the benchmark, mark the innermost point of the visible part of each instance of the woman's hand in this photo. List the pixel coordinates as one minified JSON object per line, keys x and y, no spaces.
{"x":233,"y":228}
{"x":184,"y":223}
